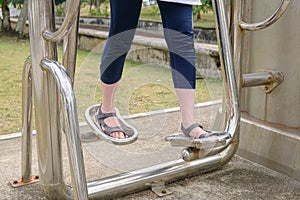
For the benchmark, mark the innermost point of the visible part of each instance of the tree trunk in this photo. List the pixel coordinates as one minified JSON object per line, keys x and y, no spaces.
{"x":91,"y":3}
{"x":22,"y":18}
{"x":98,"y":4}
{"x":198,"y":16}
{"x":6,"y":16}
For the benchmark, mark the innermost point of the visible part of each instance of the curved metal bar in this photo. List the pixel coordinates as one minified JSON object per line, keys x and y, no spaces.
{"x":134,"y":181}
{"x":140,"y":179}
{"x":71,"y":16}
{"x":269,"y":21}
{"x":27,"y":121}
{"x":231,"y":89}
{"x":70,"y":47}
{"x":64,"y":85}
{"x":123,"y":183}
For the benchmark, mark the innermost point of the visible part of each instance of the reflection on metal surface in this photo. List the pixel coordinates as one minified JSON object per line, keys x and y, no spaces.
{"x":27,"y":122}
{"x":269,"y":21}
{"x":228,"y":72}
{"x":191,"y":153}
{"x":44,"y":89}
{"x":64,"y":85}
{"x":141,"y":179}
{"x":71,"y":17}
{"x":51,"y":79}
{"x":47,"y":106}
{"x":270,"y":122}
{"x":180,"y":140}
{"x":70,"y":42}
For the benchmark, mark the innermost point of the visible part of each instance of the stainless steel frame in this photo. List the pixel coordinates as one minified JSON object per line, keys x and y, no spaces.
{"x":269,"y":21}
{"x":26,"y":122}
{"x":51,"y":78}
{"x":270,"y":119}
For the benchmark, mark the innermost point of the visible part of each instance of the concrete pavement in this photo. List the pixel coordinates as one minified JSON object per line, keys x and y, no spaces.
{"x":239,"y":179}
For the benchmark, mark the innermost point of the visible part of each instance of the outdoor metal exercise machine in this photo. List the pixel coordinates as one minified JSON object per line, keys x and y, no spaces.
{"x":51,"y":83}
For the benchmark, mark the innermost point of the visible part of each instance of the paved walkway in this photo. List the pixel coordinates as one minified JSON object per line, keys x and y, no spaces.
{"x":238,"y":180}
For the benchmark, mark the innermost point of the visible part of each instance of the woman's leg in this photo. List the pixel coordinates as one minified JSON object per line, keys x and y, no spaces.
{"x":124,"y":19}
{"x":178,"y":31}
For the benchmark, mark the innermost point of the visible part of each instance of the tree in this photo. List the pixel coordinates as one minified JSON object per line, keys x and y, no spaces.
{"x":22,"y":18}
{"x":98,"y":7}
{"x":16,"y":3}
{"x":206,"y":5}
{"x":5,"y":22}
{"x":59,"y":2}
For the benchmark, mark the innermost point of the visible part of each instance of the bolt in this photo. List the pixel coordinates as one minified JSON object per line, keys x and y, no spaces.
{"x":36,"y":177}
{"x":164,"y":191}
{"x":15,"y":182}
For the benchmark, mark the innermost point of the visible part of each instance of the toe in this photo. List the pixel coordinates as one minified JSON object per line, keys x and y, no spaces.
{"x":118,"y":135}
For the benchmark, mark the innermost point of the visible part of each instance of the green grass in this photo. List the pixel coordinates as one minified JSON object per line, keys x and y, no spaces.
{"x":12,"y":55}
{"x":207,"y":20}
{"x":152,"y":13}
{"x":143,"y":87}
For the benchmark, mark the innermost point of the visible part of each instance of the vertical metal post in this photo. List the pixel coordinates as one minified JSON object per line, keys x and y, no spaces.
{"x":43,"y":39}
{"x":41,"y":17}
{"x":26,"y":122}
{"x":228,"y":70}
{"x":69,"y":112}
{"x":70,"y":47}
{"x":43,"y":49}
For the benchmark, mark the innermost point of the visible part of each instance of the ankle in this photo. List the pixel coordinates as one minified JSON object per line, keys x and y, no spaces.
{"x":107,"y":108}
{"x":187,"y":124}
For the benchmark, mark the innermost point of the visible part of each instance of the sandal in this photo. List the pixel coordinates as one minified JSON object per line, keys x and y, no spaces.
{"x":204,"y":141}
{"x":188,"y":130}
{"x":95,"y":119}
{"x":100,"y":117}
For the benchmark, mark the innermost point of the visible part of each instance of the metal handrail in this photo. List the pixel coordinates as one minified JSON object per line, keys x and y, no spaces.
{"x":269,"y":21}
{"x":140,"y":179}
{"x":65,"y":87}
{"x":72,"y":14}
{"x":226,"y":58}
{"x":122,"y":183}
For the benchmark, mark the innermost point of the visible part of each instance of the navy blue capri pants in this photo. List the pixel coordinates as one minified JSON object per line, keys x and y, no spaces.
{"x":178,"y":32}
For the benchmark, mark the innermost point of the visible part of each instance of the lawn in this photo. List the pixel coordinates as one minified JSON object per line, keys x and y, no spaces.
{"x":144,"y":87}
{"x":152,"y":13}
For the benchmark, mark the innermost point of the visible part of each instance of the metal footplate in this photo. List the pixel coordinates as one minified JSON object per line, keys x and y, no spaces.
{"x":179,"y":140}
{"x":130,"y":131}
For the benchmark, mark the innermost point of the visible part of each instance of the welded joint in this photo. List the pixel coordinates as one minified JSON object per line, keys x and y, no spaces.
{"x":268,"y":79}
{"x":277,"y":78}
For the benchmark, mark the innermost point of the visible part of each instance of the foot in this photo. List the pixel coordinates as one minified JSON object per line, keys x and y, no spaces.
{"x":196,"y":131}
{"x":112,"y":122}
